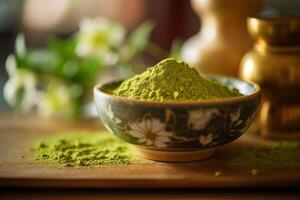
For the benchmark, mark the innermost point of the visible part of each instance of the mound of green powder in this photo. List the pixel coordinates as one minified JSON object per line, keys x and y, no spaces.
{"x":83,"y":149}
{"x":278,"y":154}
{"x":172,"y":79}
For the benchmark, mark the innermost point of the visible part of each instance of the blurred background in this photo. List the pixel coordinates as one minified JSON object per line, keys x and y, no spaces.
{"x":171,"y":21}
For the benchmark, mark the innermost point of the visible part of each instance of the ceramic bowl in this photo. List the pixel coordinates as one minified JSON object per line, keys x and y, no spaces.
{"x":177,"y":131}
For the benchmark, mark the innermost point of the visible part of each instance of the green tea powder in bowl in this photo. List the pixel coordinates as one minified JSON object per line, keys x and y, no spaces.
{"x":172,"y":79}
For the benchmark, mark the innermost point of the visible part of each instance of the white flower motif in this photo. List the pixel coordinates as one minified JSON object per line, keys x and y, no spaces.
{"x":21,"y":82}
{"x":150,"y":131}
{"x":206,"y":139}
{"x":99,"y":37}
{"x":109,"y":112}
{"x":111,"y":116}
{"x":235,"y":118}
{"x":197,"y":119}
{"x":236,"y":122}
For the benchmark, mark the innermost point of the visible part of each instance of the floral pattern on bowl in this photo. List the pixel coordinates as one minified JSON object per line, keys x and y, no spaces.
{"x":181,"y":125}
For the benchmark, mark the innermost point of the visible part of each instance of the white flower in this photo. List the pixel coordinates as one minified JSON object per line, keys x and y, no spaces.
{"x":197,"y":119}
{"x":100,"y":37}
{"x":21,"y":82}
{"x":11,"y":65}
{"x":206,"y":139}
{"x":111,"y":116}
{"x":56,"y":101}
{"x":150,"y":131}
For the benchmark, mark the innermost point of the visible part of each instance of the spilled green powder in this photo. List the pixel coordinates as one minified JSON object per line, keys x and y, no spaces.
{"x":218,"y":173}
{"x":278,"y":154}
{"x":172,"y":79}
{"x":255,"y":172}
{"x":84,"y":149}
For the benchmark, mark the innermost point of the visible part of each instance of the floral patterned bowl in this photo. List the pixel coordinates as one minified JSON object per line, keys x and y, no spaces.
{"x":177,"y":131}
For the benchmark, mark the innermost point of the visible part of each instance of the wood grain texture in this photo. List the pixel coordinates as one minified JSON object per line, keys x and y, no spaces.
{"x":18,"y":167}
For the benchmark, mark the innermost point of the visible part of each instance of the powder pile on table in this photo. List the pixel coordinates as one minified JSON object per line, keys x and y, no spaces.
{"x":84,"y":149}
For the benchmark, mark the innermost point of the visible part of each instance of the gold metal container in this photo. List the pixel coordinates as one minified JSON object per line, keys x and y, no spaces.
{"x":223,"y":39}
{"x":274,"y":63}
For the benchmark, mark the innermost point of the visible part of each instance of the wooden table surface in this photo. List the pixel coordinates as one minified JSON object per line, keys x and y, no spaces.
{"x":29,"y":123}
{"x":204,"y":194}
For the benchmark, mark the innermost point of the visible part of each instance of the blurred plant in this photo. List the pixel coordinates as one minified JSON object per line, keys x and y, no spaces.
{"x":58,"y":79}
{"x":100,"y":38}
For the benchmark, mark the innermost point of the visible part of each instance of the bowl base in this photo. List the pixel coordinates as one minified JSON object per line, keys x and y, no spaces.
{"x":173,"y":156}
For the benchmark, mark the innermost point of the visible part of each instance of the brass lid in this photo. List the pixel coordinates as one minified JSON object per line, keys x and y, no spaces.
{"x":275,"y":30}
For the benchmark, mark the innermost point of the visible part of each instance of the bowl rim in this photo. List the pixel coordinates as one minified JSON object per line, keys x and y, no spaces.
{"x":229,"y":100}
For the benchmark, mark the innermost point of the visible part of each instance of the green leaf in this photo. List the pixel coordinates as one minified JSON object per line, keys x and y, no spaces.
{"x":64,"y":47}
{"x":66,"y":62}
{"x":138,"y":39}
{"x":88,"y":71}
{"x":176,"y":49}
{"x":20,"y":47}
{"x":20,"y":51}
{"x":19,"y":98}
{"x":43,"y":61}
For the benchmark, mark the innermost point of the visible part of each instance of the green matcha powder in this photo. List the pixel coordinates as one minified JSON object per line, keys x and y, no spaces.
{"x":84,"y":149}
{"x":172,"y":79}
{"x":102,"y":148}
{"x":277,"y":154}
